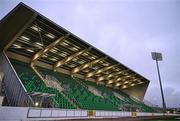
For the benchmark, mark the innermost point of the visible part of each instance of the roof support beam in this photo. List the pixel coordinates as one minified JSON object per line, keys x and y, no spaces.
{"x":109,"y":75}
{"x":121,"y":81}
{"x":117,"y":80}
{"x":90,"y":74}
{"x":111,"y":82}
{"x":38,"y":74}
{"x":69,"y":58}
{"x":121,"y":78}
{"x":49,"y":47}
{"x":86,"y":65}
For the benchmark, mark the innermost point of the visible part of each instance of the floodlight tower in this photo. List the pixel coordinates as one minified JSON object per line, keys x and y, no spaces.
{"x":158,"y":57}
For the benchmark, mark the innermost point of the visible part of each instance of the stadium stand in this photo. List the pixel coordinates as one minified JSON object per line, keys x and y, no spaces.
{"x":33,"y":84}
{"x":48,"y":73}
{"x":76,"y":90}
{"x":118,"y":98}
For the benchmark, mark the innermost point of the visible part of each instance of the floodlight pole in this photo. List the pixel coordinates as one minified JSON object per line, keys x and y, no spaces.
{"x":162,"y":94}
{"x":159,"y":76}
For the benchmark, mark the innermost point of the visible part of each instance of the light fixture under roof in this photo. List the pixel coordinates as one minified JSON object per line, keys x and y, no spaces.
{"x":74,"y":49}
{"x":95,"y":67}
{"x":126,"y":82}
{"x":29,"y":50}
{"x":36,"y":28}
{"x":53,"y":50}
{"x":72,"y":65}
{"x":77,"y":46}
{"x":16,"y":46}
{"x":64,"y":44}
{"x":132,"y":84}
{"x":110,"y":82}
{"x":53,"y":59}
{"x":75,"y":59}
{"x":124,"y":86}
{"x":128,"y":76}
{"x":134,"y":80}
{"x":110,"y":75}
{"x":92,"y":57}
{"x":106,"y":64}
{"x":86,"y":70}
{"x":98,"y":75}
{"x":107,"y":72}
{"x":85,"y":54}
{"x":119,"y":79}
{"x":117,"y":69}
{"x":67,"y":41}
{"x":39,"y":44}
{"x":81,"y":61}
{"x":25,"y":38}
{"x":44,"y":56}
{"x":63,"y":54}
{"x":52,"y":36}
{"x":101,"y":62}
{"x":117,"y":84}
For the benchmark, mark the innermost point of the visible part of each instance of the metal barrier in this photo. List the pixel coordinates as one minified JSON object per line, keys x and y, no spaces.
{"x":112,"y":114}
{"x":32,"y":114}
{"x":74,"y":113}
{"x":14,"y":90}
{"x":55,"y":113}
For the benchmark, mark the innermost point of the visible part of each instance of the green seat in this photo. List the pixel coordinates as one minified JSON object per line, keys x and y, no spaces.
{"x":33,"y":84}
{"x":76,"y":90}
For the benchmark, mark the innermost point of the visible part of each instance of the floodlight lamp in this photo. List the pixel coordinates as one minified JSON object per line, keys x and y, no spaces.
{"x":36,"y":104}
{"x":156,"y":56}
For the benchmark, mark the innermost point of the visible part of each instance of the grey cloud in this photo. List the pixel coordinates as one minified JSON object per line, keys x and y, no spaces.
{"x":172,"y":96}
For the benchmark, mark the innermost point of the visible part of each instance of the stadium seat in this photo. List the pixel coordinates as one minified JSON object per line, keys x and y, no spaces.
{"x":33,"y":84}
{"x":76,"y":90}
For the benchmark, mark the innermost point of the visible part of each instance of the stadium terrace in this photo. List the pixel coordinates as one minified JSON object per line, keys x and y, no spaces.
{"x":49,"y":73}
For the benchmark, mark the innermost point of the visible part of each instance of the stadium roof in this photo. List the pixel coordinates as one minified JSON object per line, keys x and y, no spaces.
{"x":42,"y":40}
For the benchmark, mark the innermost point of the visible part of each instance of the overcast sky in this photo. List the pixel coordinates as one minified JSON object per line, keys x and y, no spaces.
{"x":127,"y":30}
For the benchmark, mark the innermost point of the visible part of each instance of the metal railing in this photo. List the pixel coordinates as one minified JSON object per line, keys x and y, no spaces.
{"x":74,"y":113}
{"x":55,"y":113}
{"x":45,"y":114}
